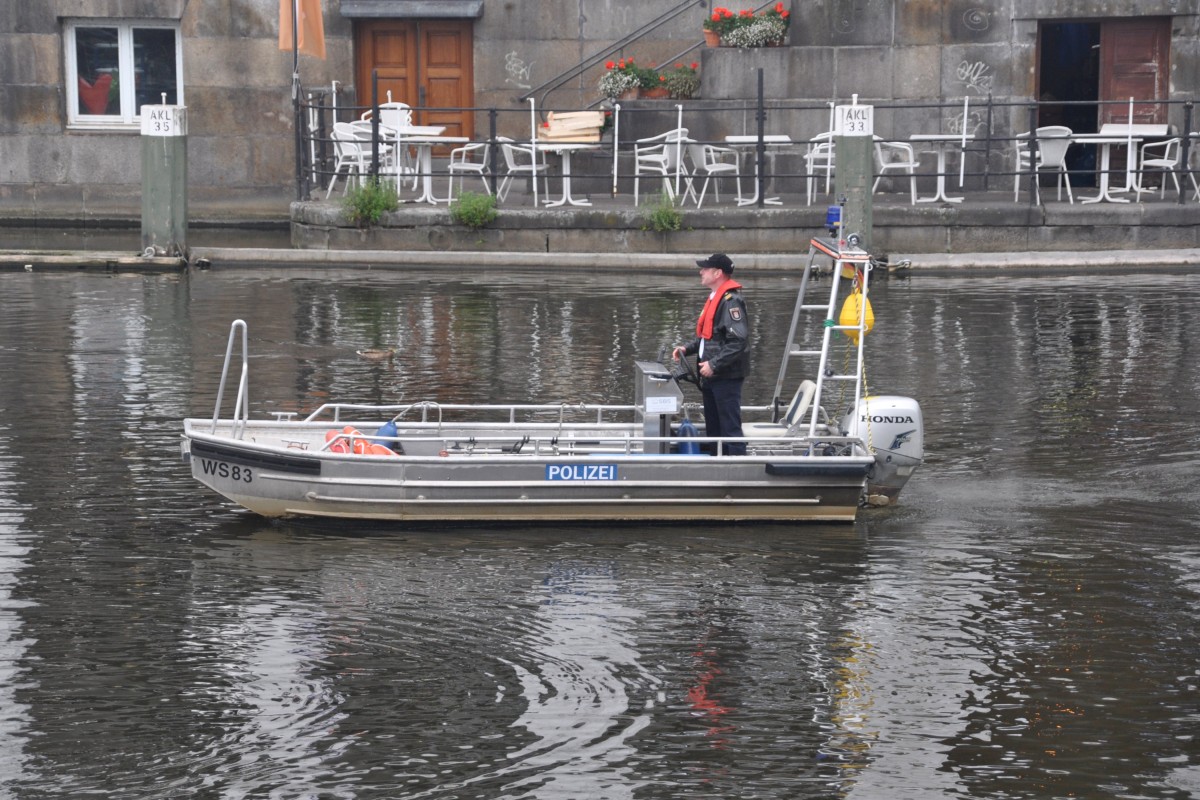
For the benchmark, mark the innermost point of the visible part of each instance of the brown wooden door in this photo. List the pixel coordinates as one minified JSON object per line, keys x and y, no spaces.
{"x":1134,"y":63}
{"x":425,"y":63}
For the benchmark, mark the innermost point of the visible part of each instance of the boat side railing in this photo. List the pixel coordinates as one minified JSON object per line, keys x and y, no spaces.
{"x":599,"y":445}
{"x":241,"y":405}
{"x":532,"y":441}
{"x":603,"y":441}
{"x":511,"y":410}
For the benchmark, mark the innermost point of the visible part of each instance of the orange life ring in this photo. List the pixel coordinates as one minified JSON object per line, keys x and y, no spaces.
{"x":338,"y":442}
{"x":358,"y":445}
{"x":351,"y":440}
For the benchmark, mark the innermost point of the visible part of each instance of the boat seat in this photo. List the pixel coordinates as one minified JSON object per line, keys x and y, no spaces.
{"x":801,"y":401}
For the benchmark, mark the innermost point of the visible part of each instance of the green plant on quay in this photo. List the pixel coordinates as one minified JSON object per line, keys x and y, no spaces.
{"x":366,"y":204}
{"x":663,"y":216}
{"x":474,"y":209}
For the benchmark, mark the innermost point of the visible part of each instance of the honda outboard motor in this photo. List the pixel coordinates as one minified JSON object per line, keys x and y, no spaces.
{"x":893,"y":428}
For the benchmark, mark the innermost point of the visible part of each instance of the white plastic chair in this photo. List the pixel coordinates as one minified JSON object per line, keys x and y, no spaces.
{"x":896,"y":156}
{"x":661,"y":155}
{"x":364,"y":130}
{"x":351,"y":152}
{"x":395,"y":117}
{"x":463,"y":163}
{"x":520,"y":160}
{"x":1193,"y":149}
{"x":1053,"y":141}
{"x":713,"y":161}
{"x":1163,"y":156}
{"x":820,"y":158}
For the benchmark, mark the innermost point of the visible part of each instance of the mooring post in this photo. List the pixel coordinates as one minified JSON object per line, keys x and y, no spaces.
{"x":164,"y":179}
{"x":855,"y":147}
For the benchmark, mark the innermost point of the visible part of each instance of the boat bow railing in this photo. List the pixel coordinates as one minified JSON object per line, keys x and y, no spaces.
{"x":241,"y":405}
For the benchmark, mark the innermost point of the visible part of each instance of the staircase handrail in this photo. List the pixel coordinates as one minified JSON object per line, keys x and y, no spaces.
{"x":597,"y":57}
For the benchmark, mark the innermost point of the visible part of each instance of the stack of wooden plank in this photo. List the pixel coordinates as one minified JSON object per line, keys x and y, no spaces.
{"x":572,"y":126}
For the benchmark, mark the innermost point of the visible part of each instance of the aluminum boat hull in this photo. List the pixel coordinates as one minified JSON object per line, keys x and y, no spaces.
{"x":264,"y":472}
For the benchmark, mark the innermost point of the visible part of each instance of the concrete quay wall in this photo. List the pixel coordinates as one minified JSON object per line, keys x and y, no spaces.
{"x":972,"y":227}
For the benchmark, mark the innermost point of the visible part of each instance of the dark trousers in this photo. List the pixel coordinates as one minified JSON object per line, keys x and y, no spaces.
{"x":723,"y":412}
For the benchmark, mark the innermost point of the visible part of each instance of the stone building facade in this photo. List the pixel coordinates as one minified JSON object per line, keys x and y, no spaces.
{"x":72,"y":73}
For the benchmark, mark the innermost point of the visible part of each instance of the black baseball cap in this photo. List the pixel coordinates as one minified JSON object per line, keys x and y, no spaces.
{"x":718,"y":261}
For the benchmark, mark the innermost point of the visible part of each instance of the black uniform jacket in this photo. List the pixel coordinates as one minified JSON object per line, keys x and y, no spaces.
{"x":728,"y":351}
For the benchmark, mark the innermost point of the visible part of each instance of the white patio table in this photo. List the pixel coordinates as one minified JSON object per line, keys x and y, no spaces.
{"x":941,"y":144}
{"x":425,"y":144}
{"x":393,"y":135}
{"x":748,"y":141}
{"x":565,"y":149}
{"x":1105,"y":142}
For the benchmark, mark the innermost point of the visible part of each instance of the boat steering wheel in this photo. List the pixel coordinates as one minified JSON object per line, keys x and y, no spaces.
{"x":686,"y":371}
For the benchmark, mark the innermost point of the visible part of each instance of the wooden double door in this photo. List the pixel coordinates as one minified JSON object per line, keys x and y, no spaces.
{"x":1085,"y":61}
{"x":1134,"y":63}
{"x":424,"y":63}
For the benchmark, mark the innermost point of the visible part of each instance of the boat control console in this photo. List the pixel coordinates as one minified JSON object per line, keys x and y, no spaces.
{"x":658,"y":399}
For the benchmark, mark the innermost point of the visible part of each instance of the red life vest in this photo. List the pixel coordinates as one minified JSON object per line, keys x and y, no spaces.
{"x":704,"y":325}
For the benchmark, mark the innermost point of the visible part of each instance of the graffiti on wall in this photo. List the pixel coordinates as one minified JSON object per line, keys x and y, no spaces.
{"x":976,"y":19}
{"x":517,"y":71}
{"x":847,"y":13}
{"x":975,"y":121}
{"x":976,"y":76}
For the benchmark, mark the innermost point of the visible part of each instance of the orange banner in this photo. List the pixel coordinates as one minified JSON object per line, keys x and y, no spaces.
{"x":311,"y":30}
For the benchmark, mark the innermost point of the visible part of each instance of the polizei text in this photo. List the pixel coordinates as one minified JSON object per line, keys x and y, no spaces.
{"x":581,"y":472}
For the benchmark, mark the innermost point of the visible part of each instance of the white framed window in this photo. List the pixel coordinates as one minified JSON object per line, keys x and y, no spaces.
{"x":114,"y":67}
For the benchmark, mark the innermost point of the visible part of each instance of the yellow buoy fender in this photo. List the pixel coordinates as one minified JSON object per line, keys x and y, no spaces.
{"x":851,"y":313}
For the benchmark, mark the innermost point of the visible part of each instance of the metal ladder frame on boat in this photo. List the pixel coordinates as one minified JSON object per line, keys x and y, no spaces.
{"x":842,"y":254}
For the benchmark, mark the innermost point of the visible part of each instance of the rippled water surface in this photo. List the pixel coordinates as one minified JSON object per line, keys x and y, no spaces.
{"x":1024,"y":625}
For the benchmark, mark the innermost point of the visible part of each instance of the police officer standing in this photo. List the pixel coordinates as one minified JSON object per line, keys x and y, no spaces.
{"x":722,"y":350}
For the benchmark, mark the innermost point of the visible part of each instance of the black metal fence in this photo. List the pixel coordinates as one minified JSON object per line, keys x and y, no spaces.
{"x":990,"y":132}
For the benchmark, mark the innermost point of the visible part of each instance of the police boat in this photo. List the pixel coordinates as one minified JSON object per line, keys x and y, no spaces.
{"x":426,"y":462}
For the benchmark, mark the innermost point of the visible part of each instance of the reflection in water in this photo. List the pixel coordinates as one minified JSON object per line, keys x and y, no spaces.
{"x":279,"y":714}
{"x":1023,"y":625}
{"x":14,"y":715}
{"x":704,"y":695}
{"x":580,"y":691}
{"x":907,"y":674}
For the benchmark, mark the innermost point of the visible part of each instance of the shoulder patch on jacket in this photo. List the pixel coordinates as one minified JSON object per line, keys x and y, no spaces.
{"x":736,"y":314}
